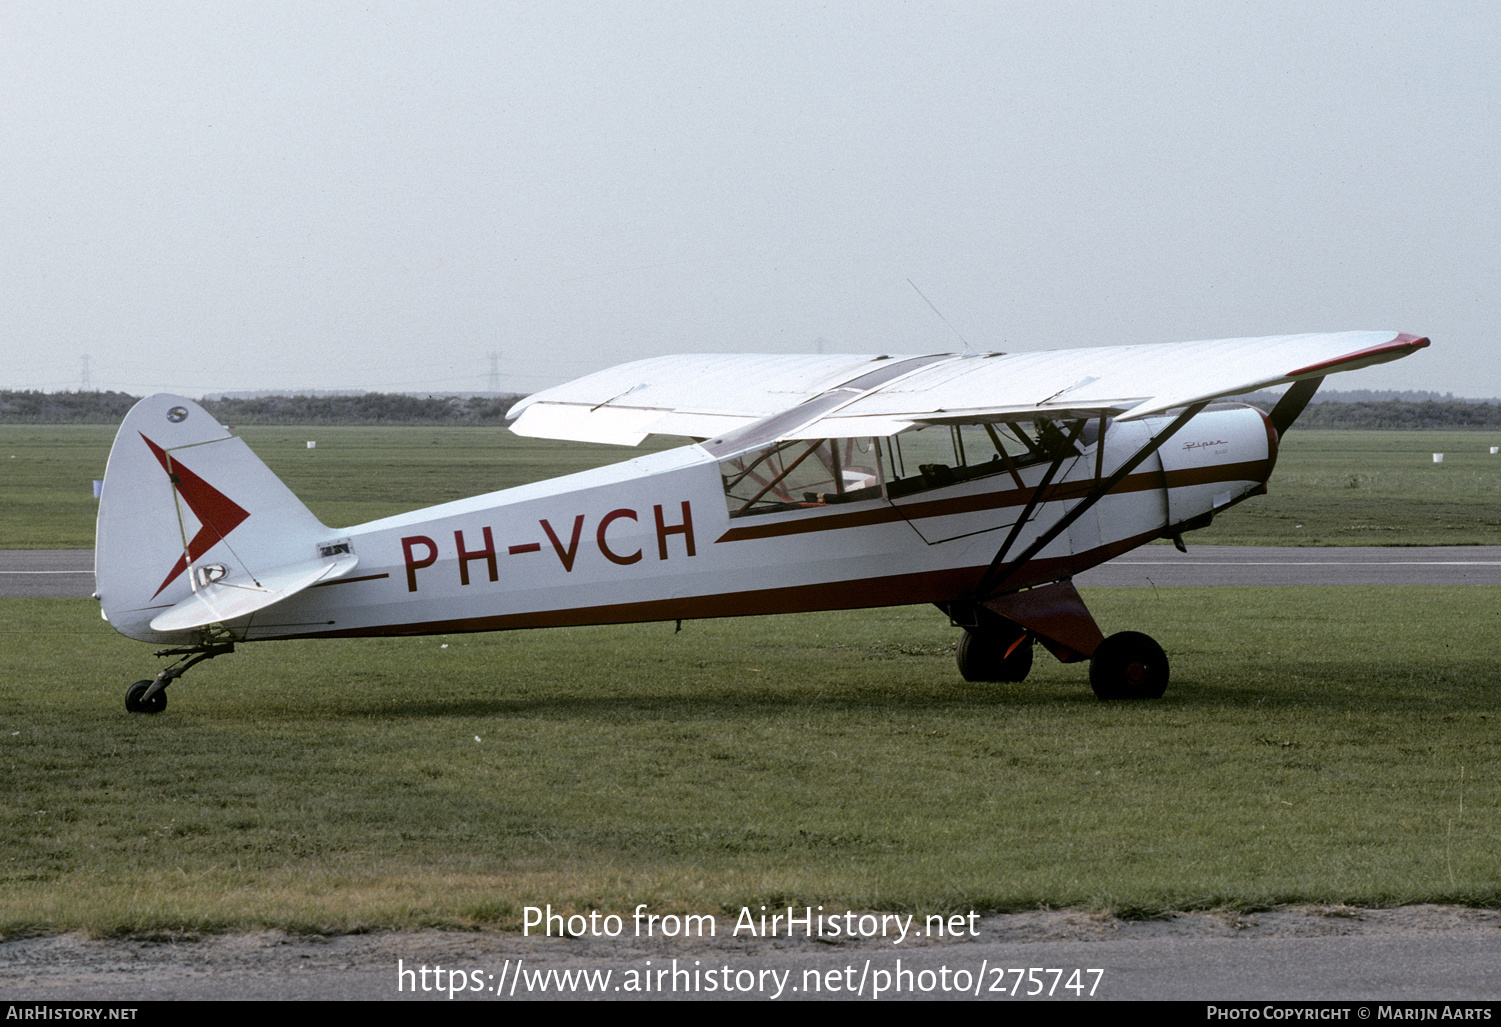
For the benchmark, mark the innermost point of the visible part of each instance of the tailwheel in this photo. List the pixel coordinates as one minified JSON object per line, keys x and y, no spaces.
{"x":1128,"y":665}
{"x":150,"y":696}
{"x":994,"y":655}
{"x":138,"y":701}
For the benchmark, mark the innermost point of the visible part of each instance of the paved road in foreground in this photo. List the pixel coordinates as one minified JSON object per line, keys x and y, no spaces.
{"x":1413,"y":953}
{"x":44,"y":573}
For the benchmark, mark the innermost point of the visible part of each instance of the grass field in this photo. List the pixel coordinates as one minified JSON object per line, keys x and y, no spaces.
{"x":1330,"y":488}
{"x":1373,"y":488}
{"x":353,"y":475}
{"x":1326,"y":745}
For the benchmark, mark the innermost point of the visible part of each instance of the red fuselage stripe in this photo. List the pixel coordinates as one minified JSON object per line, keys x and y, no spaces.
{"x":893,"y":590}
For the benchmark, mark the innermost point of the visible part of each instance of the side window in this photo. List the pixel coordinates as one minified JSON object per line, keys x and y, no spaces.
{"x":801,"y":474}
{"x":936,"y":455}
{"x":810,"y":473}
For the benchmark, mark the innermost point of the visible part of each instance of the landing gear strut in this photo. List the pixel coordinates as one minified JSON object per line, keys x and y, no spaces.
{"x":150,"y":695}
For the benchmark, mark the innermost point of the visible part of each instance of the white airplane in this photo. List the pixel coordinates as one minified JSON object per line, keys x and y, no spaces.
{"x":980,"y":483}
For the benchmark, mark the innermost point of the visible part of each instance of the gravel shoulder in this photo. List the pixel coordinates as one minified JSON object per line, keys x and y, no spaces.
{"x":1440,"y":953}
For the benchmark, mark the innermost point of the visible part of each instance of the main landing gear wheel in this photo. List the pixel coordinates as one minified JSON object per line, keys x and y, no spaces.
{"x":982,"y":656}
{"x":1128,"y":665}
{"x":136,"y":701}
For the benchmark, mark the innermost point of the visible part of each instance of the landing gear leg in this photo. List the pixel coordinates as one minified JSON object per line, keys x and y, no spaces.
{"x":998,"y":636}
{"x":150,"y":695}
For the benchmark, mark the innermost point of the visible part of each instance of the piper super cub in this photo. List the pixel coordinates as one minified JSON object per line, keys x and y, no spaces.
{"x":980,"y":483}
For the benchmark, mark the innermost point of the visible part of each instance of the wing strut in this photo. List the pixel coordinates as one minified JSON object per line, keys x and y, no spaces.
{"x":1292,"y":403}
{"x":997,"y":574}
{"x":1032,"y":504}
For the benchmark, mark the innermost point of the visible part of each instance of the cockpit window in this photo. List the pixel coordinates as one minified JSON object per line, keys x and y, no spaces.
{"x":937,"y":455}
{"x":801,"y":473}
{"x":808,"y":473}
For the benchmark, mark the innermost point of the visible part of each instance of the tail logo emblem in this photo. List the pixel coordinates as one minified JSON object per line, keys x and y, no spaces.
{"x":177,"y":415}
{"x":217,"y":514}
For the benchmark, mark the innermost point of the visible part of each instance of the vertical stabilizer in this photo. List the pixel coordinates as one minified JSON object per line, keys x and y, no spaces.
{"x":186,"y":506}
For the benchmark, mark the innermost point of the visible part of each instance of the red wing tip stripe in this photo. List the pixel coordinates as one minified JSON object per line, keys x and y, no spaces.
{"x":1402,"y":343}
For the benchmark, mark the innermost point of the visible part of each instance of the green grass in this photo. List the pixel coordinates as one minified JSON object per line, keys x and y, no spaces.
{"x":352,"y":476}
{"x":1330,"y":488}
{"x":1373,"y":488}
{"x":1312,"y":747}
{"x":46,"y":497}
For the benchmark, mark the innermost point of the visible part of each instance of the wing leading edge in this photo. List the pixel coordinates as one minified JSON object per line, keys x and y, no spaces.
{"x":845,"y":396}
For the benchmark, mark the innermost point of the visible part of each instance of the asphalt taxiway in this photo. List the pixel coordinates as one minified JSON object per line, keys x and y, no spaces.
{"x":63,"y":573}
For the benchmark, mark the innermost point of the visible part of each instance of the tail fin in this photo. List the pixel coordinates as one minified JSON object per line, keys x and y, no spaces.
{"x":195,"y":531}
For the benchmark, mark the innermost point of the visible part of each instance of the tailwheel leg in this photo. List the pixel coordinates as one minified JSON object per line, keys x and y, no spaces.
{"x":150,"y":695}
{"x":1128,"y":665}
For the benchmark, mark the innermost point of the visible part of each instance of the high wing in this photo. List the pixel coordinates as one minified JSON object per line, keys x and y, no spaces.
{"x":849,"y":396}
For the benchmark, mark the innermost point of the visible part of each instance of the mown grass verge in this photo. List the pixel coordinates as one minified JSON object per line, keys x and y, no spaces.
{"x":353,"y":475}
{"x":1373,"y":488}
{"x":1333,"y":745}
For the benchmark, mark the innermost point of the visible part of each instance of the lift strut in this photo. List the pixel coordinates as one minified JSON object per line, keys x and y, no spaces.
{"x":999,"y":571}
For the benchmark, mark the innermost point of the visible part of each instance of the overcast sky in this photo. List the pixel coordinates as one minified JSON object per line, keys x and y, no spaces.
{"x":217,"y":196}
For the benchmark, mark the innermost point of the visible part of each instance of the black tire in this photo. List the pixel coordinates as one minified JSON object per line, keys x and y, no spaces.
{"x":982,"y":656}
{"x":1128,"y":665}
{"x":134,"y":704}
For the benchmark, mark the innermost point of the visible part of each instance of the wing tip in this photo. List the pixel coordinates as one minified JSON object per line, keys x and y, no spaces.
{"x":1400,"y":346}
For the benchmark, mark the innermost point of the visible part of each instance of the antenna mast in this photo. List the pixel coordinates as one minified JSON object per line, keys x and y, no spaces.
{"x":967,"y":347}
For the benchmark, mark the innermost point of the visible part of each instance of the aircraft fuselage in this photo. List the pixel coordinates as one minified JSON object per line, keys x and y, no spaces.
{"x":657,"y":538}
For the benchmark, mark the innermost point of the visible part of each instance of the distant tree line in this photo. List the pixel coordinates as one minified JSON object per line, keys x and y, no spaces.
{"x":393,"y":408}
{"x":1414,"y":396}
{"x":1382,"y":395}
{"x":1393,"y":414}
{"x":63,"y":407}
{"x":373,"y":408}
{"x":1396,"y":414}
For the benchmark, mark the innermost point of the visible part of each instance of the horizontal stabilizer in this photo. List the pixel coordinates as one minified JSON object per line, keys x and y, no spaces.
{"x":232,"y":598}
